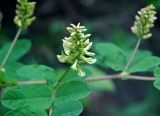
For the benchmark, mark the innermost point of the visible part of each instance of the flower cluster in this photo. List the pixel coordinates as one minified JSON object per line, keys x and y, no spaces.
{"x":144,"y":22}
{"x":24,"y":13}
{"x":76,"y":48}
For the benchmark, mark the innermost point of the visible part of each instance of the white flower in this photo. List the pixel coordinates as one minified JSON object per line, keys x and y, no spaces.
{"x":76,"y":48}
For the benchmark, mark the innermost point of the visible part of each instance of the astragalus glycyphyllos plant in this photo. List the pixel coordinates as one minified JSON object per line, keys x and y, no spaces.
{"x":37,"y":90}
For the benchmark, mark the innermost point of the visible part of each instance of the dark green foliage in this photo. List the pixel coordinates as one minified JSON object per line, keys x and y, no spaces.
{"x":26,"y":111}
{"x":35,"y":96}
{"x":21,"y":48}
{"x":37,"y":72}
{"x":72,"y":90}
{"x":67,"y":108}
{"x":112,"y":56}
{"x":157,"y":75}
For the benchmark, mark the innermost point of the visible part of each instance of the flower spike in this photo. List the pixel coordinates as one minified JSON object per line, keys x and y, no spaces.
{"x":144,"y":22}
{"x":76,"y":48}
{"x":24,"y":13}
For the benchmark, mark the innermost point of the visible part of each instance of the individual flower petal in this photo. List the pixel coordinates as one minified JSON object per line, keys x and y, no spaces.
{"x":70,"y":29}
{"x":89,"y":53}
{"x":87,"y":36}
{"x":74,"y":66}
{"x":88,"y":47}
{"x":88,"y":60}
{"x":86,"y":42}
{"x":147,"y":36}
{"x":81,"y":72}
{"x":67,"y":46}
{"x":62,"y":58}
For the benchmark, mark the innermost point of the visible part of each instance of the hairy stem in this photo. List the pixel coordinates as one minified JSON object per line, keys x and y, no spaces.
{"x":133,"y":54}
{"x":11,"y":48}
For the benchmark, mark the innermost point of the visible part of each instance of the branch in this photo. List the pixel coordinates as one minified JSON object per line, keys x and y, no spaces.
{"x":118,"y":76}
{"x":11,"y":48}
{"x":30,"y":82}
{"x":98,"y":78}
{"x":133,"y":54}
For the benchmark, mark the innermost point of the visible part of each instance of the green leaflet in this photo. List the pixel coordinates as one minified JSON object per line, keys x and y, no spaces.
{"x":75,"y":90}
{"x":11,"y":69}
{"x":145,"y":64}
{"x":36,"y":96}
{"x":37,"y":72}
{"x":157,"y":72}
{"x":111,"y":56}
{"x":67,"y":108}
{"x":157,"y":75}
{"x":26,"y":111}
{"x":157,"y":84}
{"x":21,"y":48}
{"x":140,"y":55}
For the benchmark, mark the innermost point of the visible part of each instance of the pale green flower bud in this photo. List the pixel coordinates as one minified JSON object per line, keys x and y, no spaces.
{"x":144,"y":22}
{"x":76,"y":48}
{"x":24,"y":13}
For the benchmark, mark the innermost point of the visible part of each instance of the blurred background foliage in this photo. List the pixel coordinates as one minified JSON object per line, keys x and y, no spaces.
{"x":107,"y":21}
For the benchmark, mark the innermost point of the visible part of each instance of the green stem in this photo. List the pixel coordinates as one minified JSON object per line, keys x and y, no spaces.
{"x":60,"y":79}
{"x":132,"y":55}
{"x":11,"y":48}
